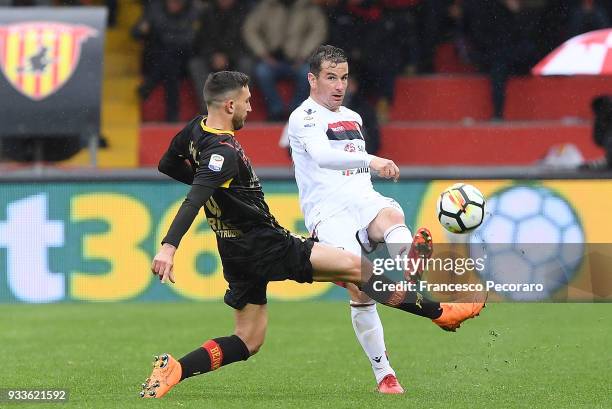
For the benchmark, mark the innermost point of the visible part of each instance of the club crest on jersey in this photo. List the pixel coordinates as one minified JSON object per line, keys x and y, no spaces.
{"x":344,"y":130}
{"x":39,"y":57}
{"x":349,"y":147}
{"x":216,"y":162}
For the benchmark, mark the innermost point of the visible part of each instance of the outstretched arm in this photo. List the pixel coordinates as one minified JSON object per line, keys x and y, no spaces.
{"x":163,"y":261}
{"x":327,"y":157}
{"x":312,"y":137}
{"x":206,"y":180}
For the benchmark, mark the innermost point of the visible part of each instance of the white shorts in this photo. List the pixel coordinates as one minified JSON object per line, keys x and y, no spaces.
{"x":339,"y":229}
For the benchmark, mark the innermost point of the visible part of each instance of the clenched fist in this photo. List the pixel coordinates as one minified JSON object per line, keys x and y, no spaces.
{"x":385,"y":168}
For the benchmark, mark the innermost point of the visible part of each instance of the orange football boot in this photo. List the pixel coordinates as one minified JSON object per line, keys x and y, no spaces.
{"x":453,"y":314}
{"x":166,"y":373}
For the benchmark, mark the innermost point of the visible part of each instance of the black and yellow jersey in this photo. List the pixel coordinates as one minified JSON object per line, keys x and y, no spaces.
{"x":218,"y":162}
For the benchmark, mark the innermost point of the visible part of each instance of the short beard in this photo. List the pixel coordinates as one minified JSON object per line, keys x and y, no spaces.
{"x":237,"y":123}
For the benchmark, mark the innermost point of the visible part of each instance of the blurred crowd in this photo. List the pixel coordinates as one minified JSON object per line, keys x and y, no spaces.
{"x":271,"y":40}
{"x":508,"y":37}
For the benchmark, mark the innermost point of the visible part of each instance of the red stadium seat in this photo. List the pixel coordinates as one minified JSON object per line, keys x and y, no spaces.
{"x":456,"y":97}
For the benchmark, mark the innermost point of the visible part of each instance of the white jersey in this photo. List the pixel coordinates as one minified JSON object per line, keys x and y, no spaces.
{"x":330,"y":159}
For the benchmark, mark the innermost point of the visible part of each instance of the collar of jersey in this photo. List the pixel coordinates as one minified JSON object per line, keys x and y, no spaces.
{"x":213,"y":130}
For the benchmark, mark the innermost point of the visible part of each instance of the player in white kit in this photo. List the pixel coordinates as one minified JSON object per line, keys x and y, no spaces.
{"x":341,"y":207}
{"x":332,"y":169}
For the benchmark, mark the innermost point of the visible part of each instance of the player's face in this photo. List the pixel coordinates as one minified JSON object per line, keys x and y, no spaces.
{"x":329,"y":87}
{"x":242,"y":106}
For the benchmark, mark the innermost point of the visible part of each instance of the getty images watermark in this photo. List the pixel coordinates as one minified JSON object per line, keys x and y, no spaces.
{"x":449,"y":266}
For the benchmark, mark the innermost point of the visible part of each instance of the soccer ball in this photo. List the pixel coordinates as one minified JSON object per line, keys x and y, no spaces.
{"x":460,"y":208}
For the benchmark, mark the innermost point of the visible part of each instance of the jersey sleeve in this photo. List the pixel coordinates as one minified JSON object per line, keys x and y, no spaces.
{"x":173,"y":163}
{"x":179,"y":146}
{"x":196,"y":198}
{"x":216,"y":165}
{"x":310,"y":133}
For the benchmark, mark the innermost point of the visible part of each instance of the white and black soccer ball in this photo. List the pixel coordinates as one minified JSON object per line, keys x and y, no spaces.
{"x":461,"y":208}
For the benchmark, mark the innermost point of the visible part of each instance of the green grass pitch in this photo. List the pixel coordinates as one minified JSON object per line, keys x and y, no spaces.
{"x":512,"y":356}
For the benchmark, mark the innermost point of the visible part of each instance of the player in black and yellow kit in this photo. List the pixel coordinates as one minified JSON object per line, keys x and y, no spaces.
{"x":253,"y":247}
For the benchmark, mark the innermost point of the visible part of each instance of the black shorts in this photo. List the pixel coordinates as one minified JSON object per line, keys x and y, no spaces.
{"x":274,"y":256}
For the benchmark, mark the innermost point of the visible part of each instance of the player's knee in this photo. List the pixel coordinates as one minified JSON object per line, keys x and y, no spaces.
{"x":392,"y":216}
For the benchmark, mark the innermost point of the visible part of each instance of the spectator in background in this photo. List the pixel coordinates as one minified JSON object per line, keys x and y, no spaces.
{"x":356,"y":101}
{"x":414,"y":24}
{"x":552,"y":27}
{"x":587,"y":15}
{"x":602,"y":132}
{"x":389,"y":29}
{"x":343,"y":30}
{"x":218,"y":43}
{"x":407,"y":37}
{"x":168,"y":28}
{"x":374,"y":37}
{"x":281,"y":34}
{"x":501,"y":33}
{"x":357,"y":26}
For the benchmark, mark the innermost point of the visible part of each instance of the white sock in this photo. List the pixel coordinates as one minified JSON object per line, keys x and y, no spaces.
{"x":398,"y":239}
{"x":369,"y":331}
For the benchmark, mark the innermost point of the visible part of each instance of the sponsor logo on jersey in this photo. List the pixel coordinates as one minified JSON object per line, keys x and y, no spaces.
{"x":309,"y":111}
{"x":350,"y":147}
{"x":221,"y":229}
{"x":344,"y":130}
{"x":310,"y":125}
{"x":39,"y":57}
{"x":308,"y":118}
{"x":351,"y":172}
{"x":216,"y":162}
{"x":228,"y":234}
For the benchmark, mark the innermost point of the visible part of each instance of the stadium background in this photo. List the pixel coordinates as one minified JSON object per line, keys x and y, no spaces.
{"x":79,"y":239}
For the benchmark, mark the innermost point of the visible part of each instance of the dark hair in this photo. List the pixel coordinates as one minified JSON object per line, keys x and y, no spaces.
{"x":219,"y":83}
{"x":329,"y":53}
